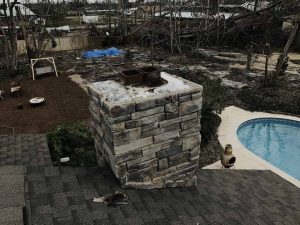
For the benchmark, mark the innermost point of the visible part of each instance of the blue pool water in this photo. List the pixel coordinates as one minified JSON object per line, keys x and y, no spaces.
{"x":275,"y":140}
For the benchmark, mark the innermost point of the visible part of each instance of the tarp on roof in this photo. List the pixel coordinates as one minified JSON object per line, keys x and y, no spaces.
{"x":101,"y":53}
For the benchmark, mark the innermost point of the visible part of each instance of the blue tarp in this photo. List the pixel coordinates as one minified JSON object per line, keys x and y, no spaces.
{"x":101,"y":53}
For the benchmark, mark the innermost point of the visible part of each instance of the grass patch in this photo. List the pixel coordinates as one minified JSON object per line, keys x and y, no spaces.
{"x":74,"y":141}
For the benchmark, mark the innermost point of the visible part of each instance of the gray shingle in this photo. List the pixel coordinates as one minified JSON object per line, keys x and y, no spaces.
{"x":63,"y":195}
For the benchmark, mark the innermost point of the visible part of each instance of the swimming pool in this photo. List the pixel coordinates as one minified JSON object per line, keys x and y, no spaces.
{"x":275,"y":140}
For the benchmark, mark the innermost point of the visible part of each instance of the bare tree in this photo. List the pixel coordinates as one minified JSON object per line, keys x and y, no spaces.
{"x":10,"y":41}
{"x":285,"y":50}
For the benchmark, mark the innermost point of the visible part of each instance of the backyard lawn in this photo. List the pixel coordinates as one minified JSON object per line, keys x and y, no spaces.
{"x":65,"y":102}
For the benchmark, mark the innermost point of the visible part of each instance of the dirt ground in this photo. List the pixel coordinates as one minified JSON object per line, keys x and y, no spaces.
{"x":64,"y":102}
{"x":67,"y":102}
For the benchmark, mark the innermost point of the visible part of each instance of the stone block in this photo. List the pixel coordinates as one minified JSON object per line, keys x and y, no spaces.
{"x":118,"y":127}
{"x":190,"y":91}
{"x":150,"y":155}
{"x":196,"y":95}
{"x":172,"y":107}
{"x":172,"y":98}
{"x":156,"y":147}
{"x":170,"y":116}
{"x":119,"y":119}
{"x":142,"y":165}
{"x":177,"y":174}
{"x":185,"y":98}
{"x":189,"y":117}
{"x":172,"y":127}
{"x":140,"y":174}
{"x":150,"y":127}
{"x":180,"y":183}
{"x":93,"y":108}
{"x":92,"y":92}
{"x":191,"y":142}
{"x":152,"y":119}
{"x":169,"y":183}
{"x":121,"y":110}
{"x":133,"y":124}
{"x":107,"y":139}
{"x":152,"y":103}
{"x":133,"y":145}
{"x":163,"y":164}
{"x":108,"y":153}
{"x":119,"y":170}
{"x":185,"y":165}
{"x":141,"y":159}
{"x":178,"y":159}
{"x":177,"y":142}
{"x":124,"y":137}
{"x":99,"y":130}
{"x":143,"y":185}
{"x":195,"y":151}
{"x":169,"y":152}
{"x":169,"y":122}
{"x":163,"y":173}
{"x":190,"y":124}
{"x":195,"y":159}
{"x":128,"y":156}
{"x":145,"y":120}
{"x":190,"y":106}
{"x":195,"y":129}
{"x":166,"y":136}
{"x":146,"y":179}
{"x":96,"y":100}
{"x":152,"y":132}
{"x":141,"y":114}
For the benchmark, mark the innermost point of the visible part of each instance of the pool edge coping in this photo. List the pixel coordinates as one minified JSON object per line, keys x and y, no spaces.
{"x":232,"y":117}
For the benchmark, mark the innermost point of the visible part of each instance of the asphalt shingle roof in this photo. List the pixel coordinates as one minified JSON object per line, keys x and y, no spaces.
{"x":12,"y":195}
{"x":26,"y":149}
{"x":63,"y":195}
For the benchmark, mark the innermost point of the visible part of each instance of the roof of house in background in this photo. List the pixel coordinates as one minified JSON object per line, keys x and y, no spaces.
{"x":195,"y":15}
{"x":250,"y":5}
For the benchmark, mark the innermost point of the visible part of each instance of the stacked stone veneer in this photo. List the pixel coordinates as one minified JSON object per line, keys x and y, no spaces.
{"x":151,"y":142}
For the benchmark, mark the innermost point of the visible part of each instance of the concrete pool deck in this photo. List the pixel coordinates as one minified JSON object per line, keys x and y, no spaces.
{"x":232,"y":117}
